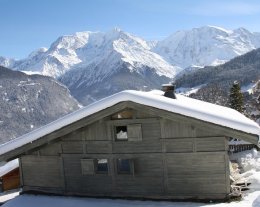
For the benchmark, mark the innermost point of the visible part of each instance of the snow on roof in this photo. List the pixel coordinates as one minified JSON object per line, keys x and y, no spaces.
{"x":8,"y":167}
{"x":182,"y":105}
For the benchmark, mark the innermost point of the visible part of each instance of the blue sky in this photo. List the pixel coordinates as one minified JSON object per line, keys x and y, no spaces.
{"x":26,"y":25}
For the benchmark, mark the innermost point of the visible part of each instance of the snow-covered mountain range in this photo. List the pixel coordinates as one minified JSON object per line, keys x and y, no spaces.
{"x":208,"y":45}
{"x":85,"y":49}
{"x":96,"y":64}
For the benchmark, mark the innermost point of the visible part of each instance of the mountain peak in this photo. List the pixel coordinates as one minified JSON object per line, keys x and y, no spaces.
{"x":220,"y":29}
{"x":38,"y":52}
{"x":117,"y":29}
{"x":242,"y":30}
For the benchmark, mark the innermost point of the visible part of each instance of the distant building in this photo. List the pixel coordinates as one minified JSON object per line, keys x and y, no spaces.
{"x":9,"y":176}
{"x":136,"y":145}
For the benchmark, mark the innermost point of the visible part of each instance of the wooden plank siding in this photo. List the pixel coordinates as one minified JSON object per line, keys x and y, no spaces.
{"x":42,"y":171}
{"x":174,"y":159}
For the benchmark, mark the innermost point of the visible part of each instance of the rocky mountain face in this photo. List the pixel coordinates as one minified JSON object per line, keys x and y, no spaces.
{"x":30,"y":101}
{"x":87,"y":92}
{"x":96,"y":64}
{"x":213,"y":83}
{"x":116,"y":61}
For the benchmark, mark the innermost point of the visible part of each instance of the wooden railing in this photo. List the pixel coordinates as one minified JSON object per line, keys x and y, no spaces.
{"x":241,"y":147}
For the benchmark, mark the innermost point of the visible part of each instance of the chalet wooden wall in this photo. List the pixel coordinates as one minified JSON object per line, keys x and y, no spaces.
{"x":175,"y":159}
{"x":11,"y":180}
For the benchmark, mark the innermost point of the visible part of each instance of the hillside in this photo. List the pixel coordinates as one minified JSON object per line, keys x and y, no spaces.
{"x":245,"y":69}
{"x":214,"y":82}
{"x":30,"y":101}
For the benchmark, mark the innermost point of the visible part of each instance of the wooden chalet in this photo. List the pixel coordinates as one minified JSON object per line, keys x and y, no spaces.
{"x":134,"y":145}
{"x":9,"y":176}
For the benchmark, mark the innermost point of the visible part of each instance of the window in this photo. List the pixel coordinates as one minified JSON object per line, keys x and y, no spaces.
{"x":87,"y":166}
{"x":102,"y":166}
{"x":92,"y":166}
{"x":131,"y":132}
{"x":125,"y":166}
{"x":121,"y":133}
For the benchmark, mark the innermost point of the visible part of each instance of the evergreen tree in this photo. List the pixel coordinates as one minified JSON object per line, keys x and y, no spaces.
{"x":236,"y":97}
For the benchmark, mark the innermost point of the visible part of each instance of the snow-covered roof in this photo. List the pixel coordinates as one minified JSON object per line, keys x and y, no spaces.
{"x":8,"y":167}
{"x":182,"y":105}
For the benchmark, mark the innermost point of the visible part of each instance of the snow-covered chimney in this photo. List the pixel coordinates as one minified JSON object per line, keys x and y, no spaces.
{"x":169,"y":90}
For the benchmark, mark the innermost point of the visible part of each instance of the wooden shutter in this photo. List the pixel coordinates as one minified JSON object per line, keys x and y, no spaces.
{"x":134,"y":132}
{"x":87,"y":166}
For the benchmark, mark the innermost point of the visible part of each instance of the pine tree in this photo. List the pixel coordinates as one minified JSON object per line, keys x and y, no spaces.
{"x":236,"y":97}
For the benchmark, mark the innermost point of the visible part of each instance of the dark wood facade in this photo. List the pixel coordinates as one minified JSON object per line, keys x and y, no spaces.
{"x":165,"y":156}
{"x":11,"y":180}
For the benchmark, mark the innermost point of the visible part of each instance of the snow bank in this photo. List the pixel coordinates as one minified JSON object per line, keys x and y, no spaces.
{"x":8,"y":195}
{"x":248,"y":160}
{"x":253,"y":200}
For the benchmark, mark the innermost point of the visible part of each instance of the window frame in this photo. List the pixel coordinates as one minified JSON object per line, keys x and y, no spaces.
{"x":131,"y":167}
{"x":96,"y":166}
{"x":115,"y":133}
{"x":128,"y":126}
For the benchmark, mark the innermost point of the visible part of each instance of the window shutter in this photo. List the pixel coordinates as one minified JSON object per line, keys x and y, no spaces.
{"x":134,"y":132}
{"x":87,"y":166}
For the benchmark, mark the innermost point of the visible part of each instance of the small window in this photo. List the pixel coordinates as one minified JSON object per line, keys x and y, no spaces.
{"x":121,"y":133}
{"x":102,"y":166}
{"x":124,"y":166}
{"x":131,"y":132}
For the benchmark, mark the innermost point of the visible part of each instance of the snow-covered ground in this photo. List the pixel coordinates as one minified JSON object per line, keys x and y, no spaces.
{"x":248,"y":88}
{"x":8,"y":195}
{"x":188,"y":91}
{"x":252,"y":200}
{"x":248,"y":160}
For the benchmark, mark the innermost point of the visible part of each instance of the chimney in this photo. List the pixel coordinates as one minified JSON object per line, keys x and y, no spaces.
{"x":169,"y":90}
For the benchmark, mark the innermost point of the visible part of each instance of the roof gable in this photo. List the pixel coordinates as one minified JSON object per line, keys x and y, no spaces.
{"x":185,"y":106}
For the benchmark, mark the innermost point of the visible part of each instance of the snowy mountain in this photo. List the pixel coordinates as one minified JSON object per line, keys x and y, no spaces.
{"x":92,"y":48}
{"x":207,"y":45}
{"x":6,"y":62}
{"x":96,"y":64}
{"x":115,"y":61}
{"x":30,"y":101}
